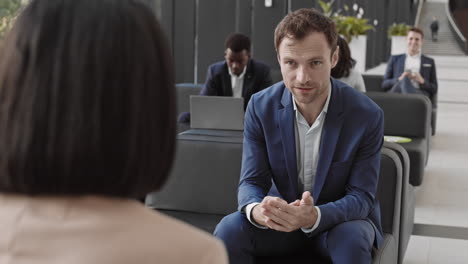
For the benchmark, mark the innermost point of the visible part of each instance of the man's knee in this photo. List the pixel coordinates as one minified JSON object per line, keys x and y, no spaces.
{"x":230,"y":228}
{"x":234,"y":231}
{"x":354,"y":235}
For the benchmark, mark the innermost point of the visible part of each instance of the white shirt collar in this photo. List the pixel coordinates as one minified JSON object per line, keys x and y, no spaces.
{"x":416,"y":56}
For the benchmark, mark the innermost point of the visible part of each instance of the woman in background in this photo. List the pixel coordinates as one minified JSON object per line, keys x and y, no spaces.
{"x":87,"y":124}
{"x":344,"y":69}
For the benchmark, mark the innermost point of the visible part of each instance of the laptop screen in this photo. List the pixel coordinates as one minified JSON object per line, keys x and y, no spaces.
{"x":216,"y":112}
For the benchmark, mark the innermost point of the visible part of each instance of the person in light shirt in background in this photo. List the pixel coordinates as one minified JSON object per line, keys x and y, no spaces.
{"x":345,"y":71}
{"x":238,"y":75}
{"x":412,"y":72}
{"x":87,"y":126}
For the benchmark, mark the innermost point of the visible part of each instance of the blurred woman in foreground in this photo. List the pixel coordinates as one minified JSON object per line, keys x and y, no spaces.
{"x":87,"y":124}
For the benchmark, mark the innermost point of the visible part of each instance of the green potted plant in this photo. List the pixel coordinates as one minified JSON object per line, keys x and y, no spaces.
{"x":327,"y":7}
{"x":397,"y":33}
{"x":400,"y":29}
{"x":348,"y":26}
{"x":8,"y":11}
{"x":352,"y":27}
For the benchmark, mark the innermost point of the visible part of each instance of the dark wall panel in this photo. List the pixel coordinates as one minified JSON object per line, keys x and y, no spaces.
{"x":216,"y":19}
{"x":264,"y":23}
{"x":183,"y":40}
{"x":296,"y":4}
{"x":404,"y":12}
{"x":197,"y":28}
{"x":377,"y":40}
{"x":244,"y":17}
{"x":166,"y":18}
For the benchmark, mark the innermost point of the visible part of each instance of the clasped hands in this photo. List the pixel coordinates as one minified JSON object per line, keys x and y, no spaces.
{"x":277,"y":214}
{"x":413,"y":76}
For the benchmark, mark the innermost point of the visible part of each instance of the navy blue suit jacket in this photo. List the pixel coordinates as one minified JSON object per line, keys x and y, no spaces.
{"x":396,"y":66}
{"x":349,"y":157}
{"x":218,"y":81}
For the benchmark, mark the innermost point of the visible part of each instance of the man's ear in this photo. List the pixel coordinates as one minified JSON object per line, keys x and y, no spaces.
{"x":335,"y":57}
{"x":279,"y":59}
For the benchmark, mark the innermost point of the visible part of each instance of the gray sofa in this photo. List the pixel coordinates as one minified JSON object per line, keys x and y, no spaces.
{"x":202,"y":187}
{"x":408,"y":115}
{"x":183,"y":92}
{"x":203,"y":184}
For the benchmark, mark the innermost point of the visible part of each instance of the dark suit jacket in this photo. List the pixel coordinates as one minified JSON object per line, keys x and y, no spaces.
{"x":396,"y":66}
{"x":349,"y":156}
{"x":218,"y":81}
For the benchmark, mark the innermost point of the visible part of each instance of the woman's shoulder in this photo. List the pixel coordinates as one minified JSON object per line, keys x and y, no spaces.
{"x":354,"y":72}
{"x":170,"y":239}
{"x":111,"y":230}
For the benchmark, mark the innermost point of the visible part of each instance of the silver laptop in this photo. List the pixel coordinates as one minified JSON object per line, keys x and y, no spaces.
{"x":216,"y":112}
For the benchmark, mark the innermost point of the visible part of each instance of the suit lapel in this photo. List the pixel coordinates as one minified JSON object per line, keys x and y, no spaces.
{"x":287,"y":131}
{"x":401,"y":65}
{"x":248,"y":80}
{"x":330,"y":135}
{"x":226,"y":79}
{"x":422,"y":69}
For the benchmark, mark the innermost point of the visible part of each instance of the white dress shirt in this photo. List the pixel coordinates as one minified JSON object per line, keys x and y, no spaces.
{"x":237,"y":82}
{"x":413,"y":63}
{"x":354,"y":80}
{"x":307,"y":154}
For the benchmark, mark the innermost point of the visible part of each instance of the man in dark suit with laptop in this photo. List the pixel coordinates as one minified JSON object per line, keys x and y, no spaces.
{"x":411,"y":72}
{"x":238,"y":75}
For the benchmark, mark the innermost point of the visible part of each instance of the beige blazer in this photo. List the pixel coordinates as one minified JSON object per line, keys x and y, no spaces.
{"x":92,"y":229}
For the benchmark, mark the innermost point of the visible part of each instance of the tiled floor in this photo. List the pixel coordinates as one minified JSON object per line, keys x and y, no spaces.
{"x":442,"y":199}
{"x":430,"y":250}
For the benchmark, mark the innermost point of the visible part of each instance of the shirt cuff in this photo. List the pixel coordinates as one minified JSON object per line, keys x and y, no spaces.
{"x":248,"y":212}
{"x":319,"y":216}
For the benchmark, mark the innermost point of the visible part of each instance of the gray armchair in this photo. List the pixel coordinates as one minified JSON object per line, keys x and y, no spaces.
{"x":408,"y":115}
{"x":408,"y":201}
{"x":203,"y":184}
{"x":389,"y":194}
{"x":373,"y":83}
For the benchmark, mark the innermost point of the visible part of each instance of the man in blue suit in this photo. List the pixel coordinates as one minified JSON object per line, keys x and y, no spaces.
{"x":411,"y":72}
{"x":238,"y":75}
{"x":318,"y":140}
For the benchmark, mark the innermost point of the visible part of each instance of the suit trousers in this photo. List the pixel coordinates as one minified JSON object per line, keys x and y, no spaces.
{"x":348,"y":242}
{"x":406,"y":87}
